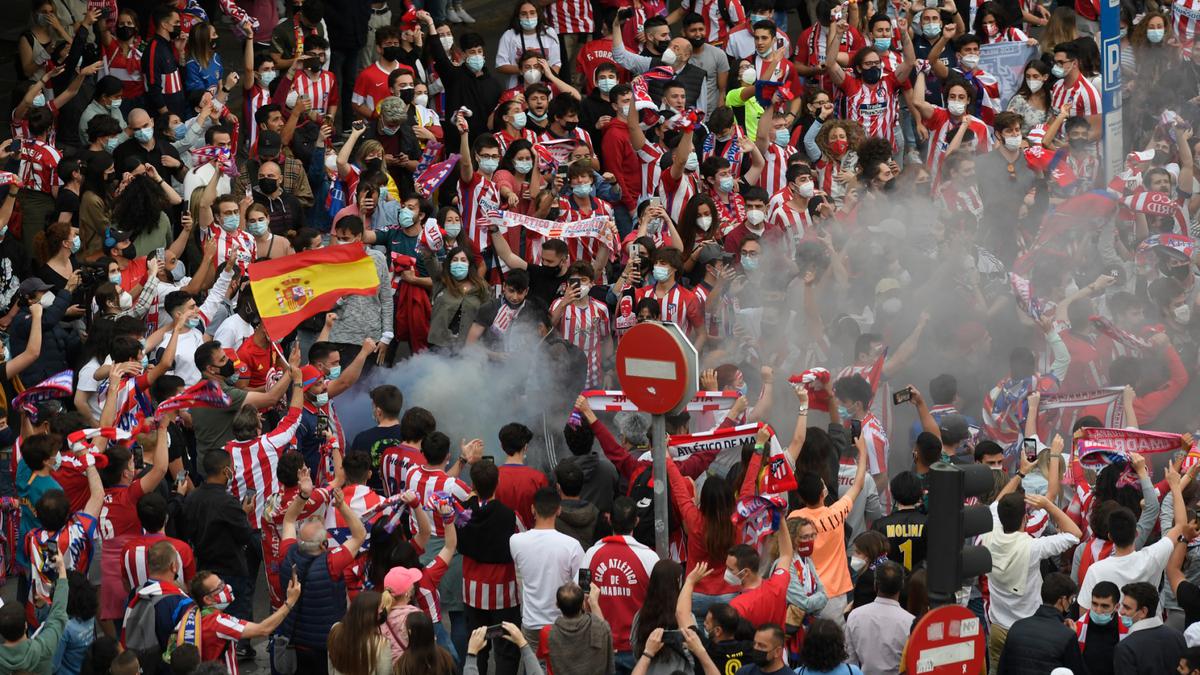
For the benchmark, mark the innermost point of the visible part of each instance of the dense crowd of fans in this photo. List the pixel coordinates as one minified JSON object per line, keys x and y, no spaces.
{"x":830,"y":199}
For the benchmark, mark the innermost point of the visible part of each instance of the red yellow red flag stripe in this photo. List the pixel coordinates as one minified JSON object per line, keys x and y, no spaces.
{"x":290,"y":289}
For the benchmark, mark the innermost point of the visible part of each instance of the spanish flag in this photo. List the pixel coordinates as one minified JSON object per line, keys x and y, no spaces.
{"x":290,"y":289}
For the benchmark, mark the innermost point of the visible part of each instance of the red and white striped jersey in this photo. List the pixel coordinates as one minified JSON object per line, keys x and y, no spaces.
{"x":427,"y":596}
{"x":883,"y":392}
{"x":1006,"y":35}
{"x":254,"y":463}
{"x":873,"y":106}
{"x":678,"y":192}
{"x":394,"y":464}
{"x":716,"y":28}
{"x":360,"y":498}
{"x":568,"y":212}
{"x":504,"y":139}
{"x":650,"y":161}
{"x":256,"y":98}
{"x":954,"y":200}
{"x":220,"y":634}
{"x":678,"y":305}
{"x":425,"y":481}
{"x":578,"y":134}
{"x":1186,"y":24}
{"x":475,"y":198}
{"x":1087,"y":99}
{"x":571,"y":16}
{"x":321,"y":90}
{"x":39,"y":162}
{"x":125,"y":67}
{"x":877,"y":444}
{"x":781,"y":216}
{"x":133,"y":401}
{"x":940,"y":127}
{"x":489,"y":585}
{"x":135,"y":568}
{"x":774,"y":174}
{"x":247,"y":247}
{"x":586,"y":327}
{"x":620,"y":567}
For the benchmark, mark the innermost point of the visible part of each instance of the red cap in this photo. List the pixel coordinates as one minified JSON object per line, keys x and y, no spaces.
{"x":310,"y":375}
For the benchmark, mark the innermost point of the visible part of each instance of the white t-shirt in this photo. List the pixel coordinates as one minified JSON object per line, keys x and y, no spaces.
{"x":185,"y":356}
{"x":1007,"y":608}
{"x":233,"y":332}
{"x":545,"y":560}
{"x":515,"y":43}
{"x":88,"y":383}
{"x":1144,"y":565}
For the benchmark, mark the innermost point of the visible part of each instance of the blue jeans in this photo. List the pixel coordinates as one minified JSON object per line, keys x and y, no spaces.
{"x":443,"y":639}
{"x":701,"y":603}
{"x":436,"y":8}
{"x":624,"y":662}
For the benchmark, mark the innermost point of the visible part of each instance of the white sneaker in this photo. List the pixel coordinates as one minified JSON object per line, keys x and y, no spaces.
{"x":452,"y":15}
{"x":462,"y":14}
{"x":913,"y":157}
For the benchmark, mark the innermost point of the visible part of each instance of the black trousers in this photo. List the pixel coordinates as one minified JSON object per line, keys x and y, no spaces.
{"x":508,"y":656}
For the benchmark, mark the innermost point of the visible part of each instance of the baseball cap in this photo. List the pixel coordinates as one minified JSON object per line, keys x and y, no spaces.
{"x":33,"y":285}
{"x":310,"y":375}
{"x":400,"y":580}
{"x":953,"y":429}
{"x":708,"y":253}
{"x":113,"y":236}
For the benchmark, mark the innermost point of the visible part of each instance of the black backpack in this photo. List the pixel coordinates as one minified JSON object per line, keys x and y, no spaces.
{"x":641,"y":490}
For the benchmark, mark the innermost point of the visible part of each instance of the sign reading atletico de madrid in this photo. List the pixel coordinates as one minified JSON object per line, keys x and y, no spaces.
{"x":290,"y":289}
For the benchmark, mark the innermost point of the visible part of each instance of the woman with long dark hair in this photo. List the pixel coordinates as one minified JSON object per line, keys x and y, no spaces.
{"x":458,"y":292}
{"x":140,"y":210}
{"x":658,"y":611}
{"x":96,"y":201}
{"x":424,"y":656}
{"x":824,"y":651}
{"x":710,"y":533}
{"x":356,"y":647}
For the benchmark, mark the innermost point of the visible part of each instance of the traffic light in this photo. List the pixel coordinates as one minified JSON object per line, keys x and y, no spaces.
{"x":951,"y":558}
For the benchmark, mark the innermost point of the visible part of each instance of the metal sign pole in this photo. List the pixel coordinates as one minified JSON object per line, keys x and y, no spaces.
{"x":658,"y":428}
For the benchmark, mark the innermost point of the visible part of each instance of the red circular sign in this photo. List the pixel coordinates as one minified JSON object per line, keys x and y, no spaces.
{"x":948,"y":640}
{"x":652,"y":367}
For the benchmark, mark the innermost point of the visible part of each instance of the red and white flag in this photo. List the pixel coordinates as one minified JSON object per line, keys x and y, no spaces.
{"x":614,"y":400}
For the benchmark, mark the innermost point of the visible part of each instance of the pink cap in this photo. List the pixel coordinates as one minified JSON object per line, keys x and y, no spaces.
{"x":400,"y":580}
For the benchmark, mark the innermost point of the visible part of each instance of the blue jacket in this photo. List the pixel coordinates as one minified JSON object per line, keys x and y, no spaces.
{"x":322,"y":599}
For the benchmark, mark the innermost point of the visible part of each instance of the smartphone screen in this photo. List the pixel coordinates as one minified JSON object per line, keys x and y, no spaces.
{"x":902,"y":396}
{"x":585,"y":580}
{"x":855,"y":430}
{"x":493,"y":632}
{"x":1030,"y":446}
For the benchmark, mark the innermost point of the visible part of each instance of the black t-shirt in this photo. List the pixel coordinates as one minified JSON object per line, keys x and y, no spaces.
{"x":545,"y":283}
{"x":376,"y":441}
{"x":905,"y":531}
{"x":486,"y":316}
{"x":67,"y":202}
{"x":1188,"y":597}
{"x":731,"y":655}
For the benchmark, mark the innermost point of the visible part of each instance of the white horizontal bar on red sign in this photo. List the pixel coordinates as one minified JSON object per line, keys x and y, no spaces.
{"x":614,"y":400}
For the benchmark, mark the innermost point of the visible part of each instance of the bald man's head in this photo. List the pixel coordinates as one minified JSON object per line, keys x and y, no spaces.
{"x":139,"y":118}
{"x":269,"y":170}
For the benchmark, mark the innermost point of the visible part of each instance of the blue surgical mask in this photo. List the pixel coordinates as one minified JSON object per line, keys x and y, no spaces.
{"x":519,"y":120}
{"x":931,"y":30}
{"x":1126,"y":621}
{"x":321,"y":399}
{"x":452,"y":229}
{"x":782,"y":137}
{"x":1124,"y":32}
{"x":488,"y":165}
{"x":661,"y":272}
{"x":257,"y":227}
{"x":116,"y":103}
{"x":883,"y":44}
{"x":405,"y":217}
{"x":605,"y":84}
{"x":1058,"y":71}
{"x":267,"y":77}
{"x":3,"y":231}
{"x":76,"y":244}
{"x":388,"y":131}
{"x":523,"y":166}
{"x":39,"y":101}
{"x":582,"y":190}
{"x":230,"y":223}
{"x":1098,"y":618}
{"x":193,"y":322}
{"x":335,"y":372}
{"x":145,"y":362}
{"x":115,"y":279}
{"x":144,"y":135}
{"x":1155,"y":35}
{"x":54,"y":466}
{"x":458,"y":270}
{"x":475,"y":62}
{"x":843,"y":411}
{"x":726,"y":184}
{"x":528,"y":24}
{"x":110,"y":146}
{"x":180,"y":131}
{"x":749,"y":264}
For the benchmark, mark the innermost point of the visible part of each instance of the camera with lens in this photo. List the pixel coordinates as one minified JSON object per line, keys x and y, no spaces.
{"x":92,"y":275}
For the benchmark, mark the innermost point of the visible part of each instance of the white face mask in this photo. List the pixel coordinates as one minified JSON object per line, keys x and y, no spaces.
{"x":732,"y":579}
{"x":748,"y":76}
{"x":858,"y":564}
{"x":668,"y":57}
{"x":126,"y":301}
{"x":46,"y":300}
{"x":755,"y":216}
{"x":533,"y":76}
{"x":447,"y":42}
{"x":1182,"y":313}
{"x":331,"y":162}
{"x":956,"y":107}
{"x":807,"y":189}
{"x":692,"y":163}
{"x":970,"y":61}
{"x":1012,"y":142}
{"x":421,"y":100}
{"x":1034,"y":85}
{"x":704,"y":222}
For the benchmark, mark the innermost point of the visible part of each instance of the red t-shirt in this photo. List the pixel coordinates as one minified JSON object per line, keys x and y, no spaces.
{"x":767,"y":603}
{"x":257,"y":361}
{"x":516,"y":487}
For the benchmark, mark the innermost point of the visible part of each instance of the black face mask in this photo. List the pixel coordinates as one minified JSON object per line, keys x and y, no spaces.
{"x":227,"y":369}
{"x":267,"y":185}
{"x":374,"y":164}
{"x":569,"y":126}
{"x":392,"y":53}
{"x":130,"y":252}
{"x":177,"y":32}
{"x":758,"y":657}
{"x":1079,"y":144}
{"x":1179,"y":272}
{"x":407,"y":95}
{"x":662,"y":46}
{"x":125,"y":33}
{"x":696,"y":43}
{"x":872,"y":75}
{"x":314,"y":64}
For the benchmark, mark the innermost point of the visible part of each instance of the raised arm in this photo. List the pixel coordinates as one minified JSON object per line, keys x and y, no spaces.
{"x":860,"y":471}
{"x":358,"y":533}
{"x":159,"y":467}
{"x":33,"y":346}
{"x":466,"y":167}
